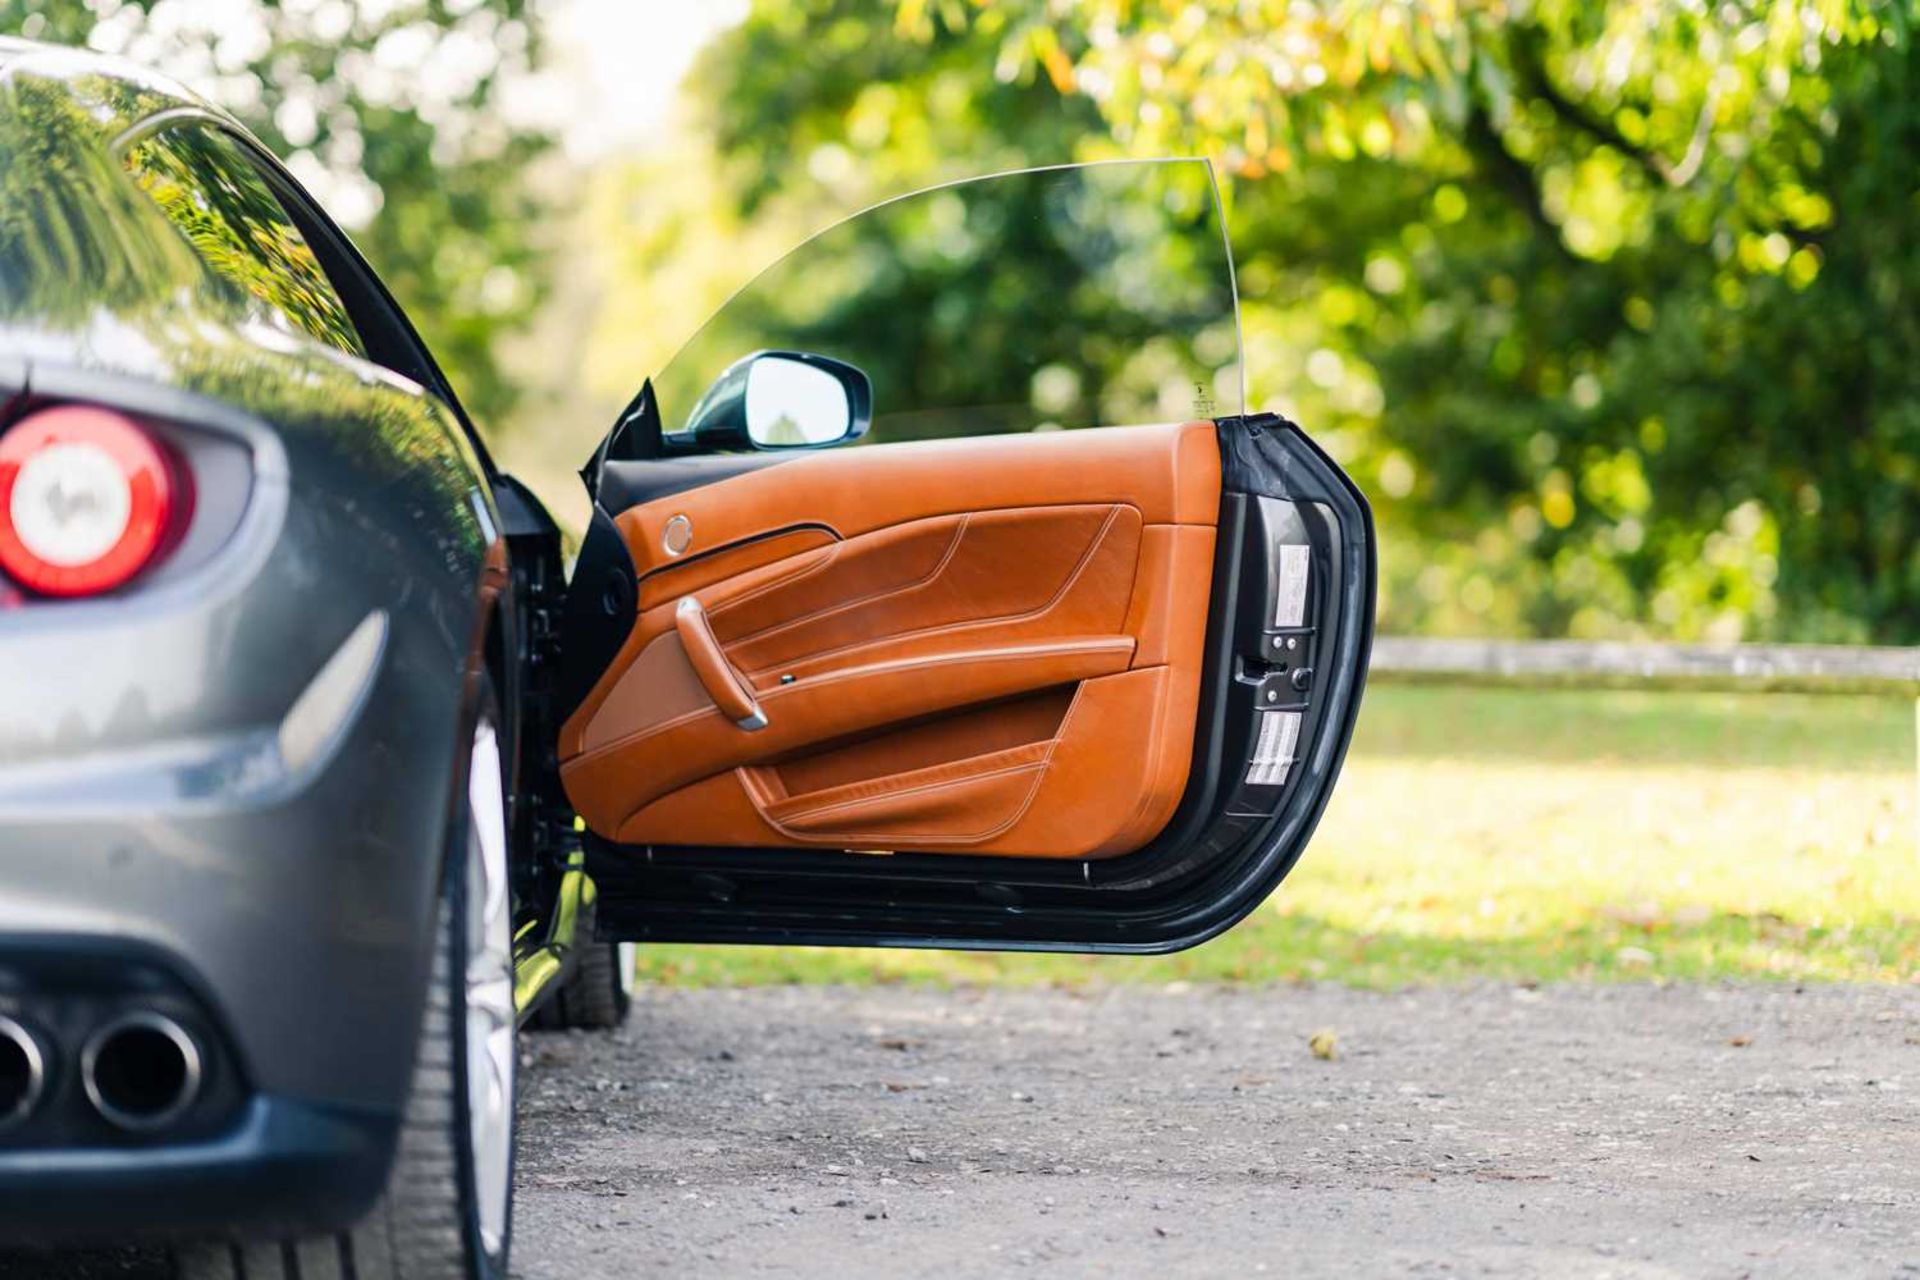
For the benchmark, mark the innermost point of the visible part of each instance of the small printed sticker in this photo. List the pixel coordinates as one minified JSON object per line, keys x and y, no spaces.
{"x":1290,"y":585}
{"x":1273,"y":749}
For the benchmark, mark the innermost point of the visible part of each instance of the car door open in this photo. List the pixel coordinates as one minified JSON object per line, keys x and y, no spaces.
{"x":871,"y":640}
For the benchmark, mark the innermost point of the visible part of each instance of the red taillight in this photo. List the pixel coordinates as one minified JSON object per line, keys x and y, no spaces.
{"x":87,"y":497}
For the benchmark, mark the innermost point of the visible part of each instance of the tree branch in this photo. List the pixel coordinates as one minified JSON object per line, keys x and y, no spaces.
{"x":1507,"y":173}
{"x":1529,"y":68}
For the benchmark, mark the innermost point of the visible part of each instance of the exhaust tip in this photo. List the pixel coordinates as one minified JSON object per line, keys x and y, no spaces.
{"x":23,"y":1072}
{"x":141,"y":1071}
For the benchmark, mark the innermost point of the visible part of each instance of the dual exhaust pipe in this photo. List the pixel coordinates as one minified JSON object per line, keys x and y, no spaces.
{"x":140,"y":1072}
{"x":23,"y":1073}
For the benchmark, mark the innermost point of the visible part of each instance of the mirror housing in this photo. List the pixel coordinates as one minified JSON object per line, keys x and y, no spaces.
{"x":778,"y":400}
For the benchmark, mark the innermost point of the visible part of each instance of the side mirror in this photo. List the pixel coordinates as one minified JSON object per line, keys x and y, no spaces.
{"x":779,"y":400}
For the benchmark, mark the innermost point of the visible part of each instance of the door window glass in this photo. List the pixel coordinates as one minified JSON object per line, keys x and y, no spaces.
{"x":1084,"y":296}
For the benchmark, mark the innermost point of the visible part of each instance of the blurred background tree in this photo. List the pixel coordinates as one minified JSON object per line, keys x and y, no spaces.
{"x":1609,"y":306}
{"x":394,"y":115}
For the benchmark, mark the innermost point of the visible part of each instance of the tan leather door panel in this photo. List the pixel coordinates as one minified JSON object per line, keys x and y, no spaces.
{"x":988,"y":645}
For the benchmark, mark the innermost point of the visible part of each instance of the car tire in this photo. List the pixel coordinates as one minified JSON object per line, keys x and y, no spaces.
{"x":595,"y":996}
{"x":447,"y":1210}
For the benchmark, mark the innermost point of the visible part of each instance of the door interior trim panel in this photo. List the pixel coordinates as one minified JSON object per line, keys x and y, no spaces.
{"x":1171,"y":473}
{"x":899,"y":612}
{"x":1229,"y":843}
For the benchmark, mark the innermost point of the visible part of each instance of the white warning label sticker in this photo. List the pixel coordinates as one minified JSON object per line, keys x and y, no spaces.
{"x":1290,"y":585}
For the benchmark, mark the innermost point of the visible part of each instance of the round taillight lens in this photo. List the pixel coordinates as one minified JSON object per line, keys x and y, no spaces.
{"x":86,"y":499}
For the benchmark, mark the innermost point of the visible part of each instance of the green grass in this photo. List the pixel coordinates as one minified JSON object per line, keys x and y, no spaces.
{"x":1528,"y":835}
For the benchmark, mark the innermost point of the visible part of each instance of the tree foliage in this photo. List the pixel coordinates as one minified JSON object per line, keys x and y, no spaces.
{"x":1609,"y":306}
{"x":393,"y":114}
{"x":209,"y":192}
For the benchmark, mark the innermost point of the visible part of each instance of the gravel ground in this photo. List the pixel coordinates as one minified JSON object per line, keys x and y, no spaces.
{"x":1611,"y":1131}
{"x":1564,"y":1132}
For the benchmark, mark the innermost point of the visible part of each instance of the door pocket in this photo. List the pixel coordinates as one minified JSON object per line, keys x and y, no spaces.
{"x":950,"y":779}
{"x":955,"y":803}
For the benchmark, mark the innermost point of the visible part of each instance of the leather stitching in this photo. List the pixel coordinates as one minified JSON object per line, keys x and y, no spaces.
{"x":1073,"y":577}
{"x":709,"y":558}
{"x":922,"y":837}
{"x":794,"y":815}
{"x":823,"y":559}
{"x":1151,"y":754}
{"x":772,"y":697}
{"x":818,"y":559}
{"x":827,"y":611}
{"x":1041,"y":771}
{"x":885,"y":786}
